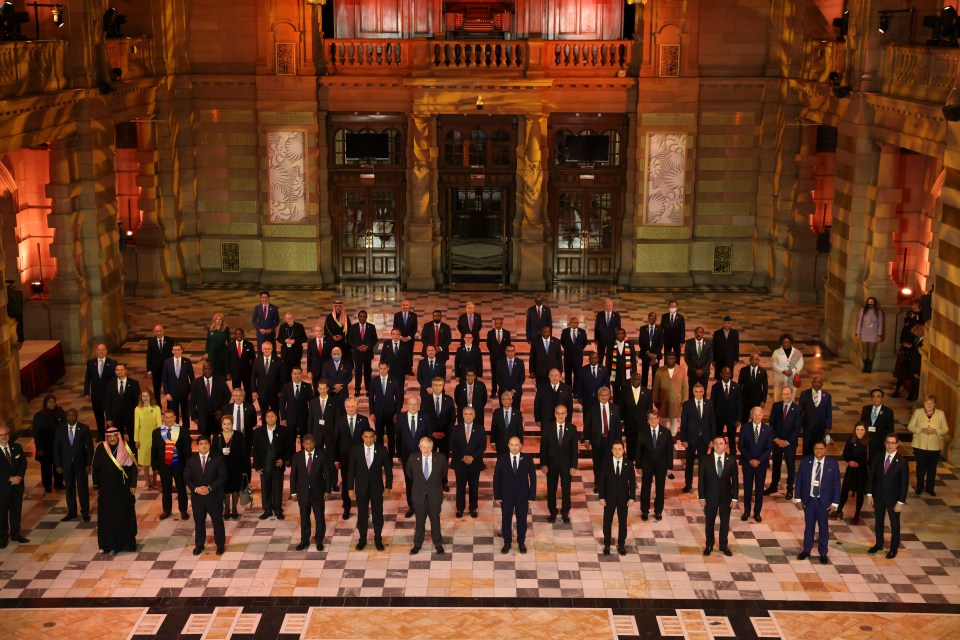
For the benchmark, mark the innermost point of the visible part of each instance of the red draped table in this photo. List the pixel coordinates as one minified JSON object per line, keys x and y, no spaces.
{"x":41,"y":364}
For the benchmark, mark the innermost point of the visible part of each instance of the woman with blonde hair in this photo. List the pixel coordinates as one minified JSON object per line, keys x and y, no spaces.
{"x":218,"y":335}
{"x":928,"y":426}
{"x":146,"y":418}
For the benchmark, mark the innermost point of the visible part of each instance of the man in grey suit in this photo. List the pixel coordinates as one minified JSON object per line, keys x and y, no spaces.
{"x":427,"y":472}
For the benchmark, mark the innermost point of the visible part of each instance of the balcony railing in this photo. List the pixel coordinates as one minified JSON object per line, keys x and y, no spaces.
{"x":31,"y":67}
{"x":425,"y":57}
{"x":821,"y":57}
{"x":133,"y":56}
{"x":920,"y":73}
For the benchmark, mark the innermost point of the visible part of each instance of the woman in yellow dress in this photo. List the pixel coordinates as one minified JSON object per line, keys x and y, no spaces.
{"x":146,"y":418}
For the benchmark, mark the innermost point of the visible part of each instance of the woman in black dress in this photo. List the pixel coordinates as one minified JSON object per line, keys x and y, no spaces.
{"x":230,"y":444}
{"x":45,"y":425}
{"x":855,"y":478}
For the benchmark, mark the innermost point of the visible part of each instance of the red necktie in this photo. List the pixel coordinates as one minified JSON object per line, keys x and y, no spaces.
{"x":309,"y":462}
{"x":606,"y":424}
{"x":264,"y":312}
{"x":470,"y":322}
{"x":361,"y":333}
{"x":786,"y":408}
{"x":436,"y":336}
{"x":239,"y":349}
{"x":538,"y":313}
{"x":208,"y":388}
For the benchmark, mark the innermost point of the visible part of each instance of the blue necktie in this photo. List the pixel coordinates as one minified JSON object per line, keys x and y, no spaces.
{"x":426,"y":468}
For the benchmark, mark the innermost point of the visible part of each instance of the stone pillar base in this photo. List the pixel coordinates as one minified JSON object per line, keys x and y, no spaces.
{"x":150,"y":278}
{"x":420,"y":258}
{"x":530,"y":259}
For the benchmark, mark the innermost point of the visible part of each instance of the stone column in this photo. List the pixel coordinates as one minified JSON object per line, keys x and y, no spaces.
{"x":325,"y":207}
{"x":422,"y":245}
{"x":152,"y":280}
{"x":12,"y":402}
{"x":530,"y":253}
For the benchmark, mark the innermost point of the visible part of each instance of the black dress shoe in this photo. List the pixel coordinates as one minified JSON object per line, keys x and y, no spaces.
{"x":522,"y":548}
{"x":726,"y":551}
{"x":459,"y":514}
{"x":622,"y":551}
{"x":505,"y":549}
{"x":408,"y":514}
{"x":552,"y":519}
{"x":164,"y":515}
{"x":789,"y":495}
{"x":644,"y":517}
{"x":769,"y":491}
{"x":606,"y":549}
{"x":439,"y":551}
{"x":932,"y":493}
{"x":743,"y":517}
{"x":280,"y":516}
{"x":823,"y":560}
{"x":875,"y":548}
{"x":68,"y":517}
{"x":361,"y":545}
{"x":473,"y":513}
{"x":658,"y":517}
{"x":346,"y":515}
{"x":566,"y":517}
{"x":757,"y":518}
{"x":707,"y":551}
{"x":264,"y":516}
{"x":414,"y":550}
{"x":319,"y":546}
{"x":3,"y":544}
{"x":184,"y":515}
{"x":86,"y":517}
{"x":803,"y":555}
{"x":197,"y":551}
{"x":302,"y":546}
{"x":19,"y":539}
{"x":220,"y":551}
{"x":379,"y":545}
{"x":919,"y":492}
{"x":671,"y":476}
{"x":891,"y":555}
{"x":686,"y":488}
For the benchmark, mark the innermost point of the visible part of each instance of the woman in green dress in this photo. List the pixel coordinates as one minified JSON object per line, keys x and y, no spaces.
{"x":218,"y":334}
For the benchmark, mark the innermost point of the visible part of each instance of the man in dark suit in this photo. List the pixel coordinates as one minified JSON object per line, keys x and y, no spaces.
{"x":13,"y":467}
{"x":406,"y":321}
{"x":207,"y":394}
{"x":559,"y":456}
{"x":240,"y":356}
{"x":697,"y":355}
{"x":886,"y":493}
{"x":120,"y":399}
{"x":497,"y":340}
{"x":728,"y":405}
{"x":437,"y":333}
{"x":427,"y":369}
{"x":177,"y":378}
{"x":397,"y":355}
{"x":468,"y":441}
{"x":470,"y":322}
{"x":592,"y":377}
{"x":205,"y":476}
{"x":269,"y":457}
{"x":324,"y":410}
{"x":879,"y":421}
{"x":538,"y":316}
{"x":472,"y":392}
{"x":338,"y":373}
{"x":159,"y":350}
{"x":169,"y":461}
{"x":72,"y":457}
{"x":717,"y":489}
{"x":440,"y":408}
{"x":468,"y":357}
{"x":370,"y":480}
{"x":655,"y":460}
{"x":244,"y":414}
{"x":266,"y":318}
{"x":785,"y":424}
{"x":726,"y":347}
{"x":318,"y":353}
{"x":295,"y":400}
{"x":554,"y":393}
{"x":697,"y":425}
{"x":674,"y":330}
{"x":545,"y":354}
{"x":290,"y":338}
{"x":266,"y":380}
{"x":602,"y":426}
{"x":818,"y":494}
{"x":816,"y":407}
{"x":753,"y":387}
{"x":605,"y":329}
{"x":511,"y":374}
{"x":756,"y":443}
{"x":618,"y":492}
{"x":635,"y":402}
{"x":427,"y":471}
{"x":622,"y":359}
{"x":506,"y":423}
{"x":573,"y":341}
{"x":412,"y":426}
{"x":650,"y":347}
{"x":362,"y":338}
{"x":309,"y":483}
{"x":514,"y":486}
{"x":100,"y":371}
{"x":349,"y":433}
{"x":386,"y":402}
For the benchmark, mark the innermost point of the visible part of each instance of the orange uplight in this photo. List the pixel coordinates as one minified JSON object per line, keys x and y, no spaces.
{"x":906,"y":291}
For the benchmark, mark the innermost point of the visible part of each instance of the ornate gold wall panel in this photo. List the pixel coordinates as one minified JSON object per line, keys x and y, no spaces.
{"x":290,"y":256}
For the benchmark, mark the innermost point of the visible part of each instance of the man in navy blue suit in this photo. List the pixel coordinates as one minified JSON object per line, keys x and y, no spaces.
{"x":266,"y":319}
{"x":100,"y":371}
{"x":887,"y":493}
{"x":429,"y":368}
{"x":756,"y":443}
{"x":514,"y":486}
{"x":511,"y":374}
{"x":538,"y":316}
{"x":467,"y":444}
{"x":406,"y":322}
{"x":412,"y":426}
{"x":697,"y":425}
{"x":728,"y":405}
{"x":818,"y":493}
{"x":816,"y":407}
{"x":785,"y":422}
{"x":177,"y":378}
{"x":386,"y":402}
{"x":573,"y":339}
{"x":650,"y":348}
{"x":605,"y":328}
{"x":592,"y":377}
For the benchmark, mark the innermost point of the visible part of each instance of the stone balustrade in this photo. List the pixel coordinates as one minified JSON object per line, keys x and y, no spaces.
{"x":918,"y":72}
{"x":32,"y":67}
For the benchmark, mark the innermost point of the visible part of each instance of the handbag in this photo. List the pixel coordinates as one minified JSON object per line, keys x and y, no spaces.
{"x":246,"y":492}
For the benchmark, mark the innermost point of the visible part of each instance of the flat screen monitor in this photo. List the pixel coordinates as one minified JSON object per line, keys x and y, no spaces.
{"x":590,"y":149}
{"x":367,"y":146}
